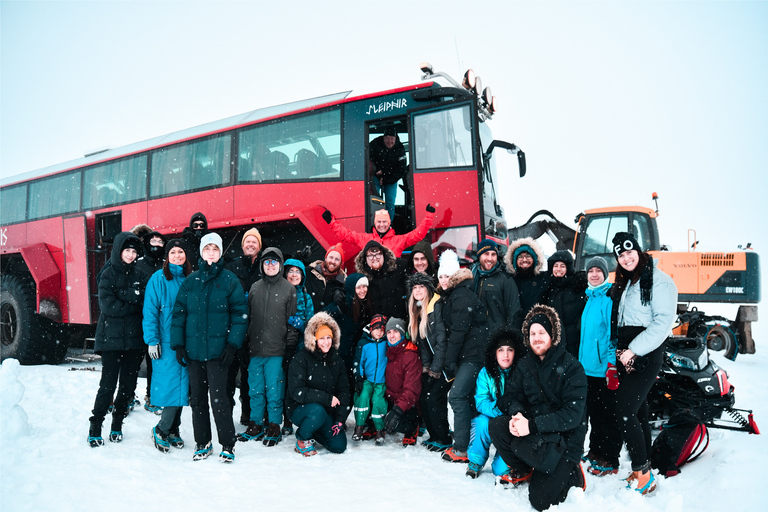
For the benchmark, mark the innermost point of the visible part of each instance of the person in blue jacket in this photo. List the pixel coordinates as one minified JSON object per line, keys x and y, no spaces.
{"x":370,"y":368}
{"x":208,"y":325}
{"x":170,"y":385}
{"x":597,"y":354}
{"x":505,"y":347}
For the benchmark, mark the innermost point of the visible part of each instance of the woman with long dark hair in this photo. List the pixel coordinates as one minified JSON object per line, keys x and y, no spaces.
{"x":644,"y":305}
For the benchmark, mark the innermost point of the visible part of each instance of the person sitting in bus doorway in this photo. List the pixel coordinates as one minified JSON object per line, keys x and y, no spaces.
{"x":325,"y":280}
{"x":198,"y":227}
{"x":382,"y":231}
{"x":208,"y":325}
{"x":493,"y":287}
{"x":388,"y":166}
{"x":246,"y":268}
{"x":524,"y":261}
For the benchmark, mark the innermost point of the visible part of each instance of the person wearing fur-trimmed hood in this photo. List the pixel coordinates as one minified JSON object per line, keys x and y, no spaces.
{"x":386,"y":278}
{"x":318,"y":389}
{"x":541,"y":434}
{"x":524,"y":261}
{"x":566,"y":294}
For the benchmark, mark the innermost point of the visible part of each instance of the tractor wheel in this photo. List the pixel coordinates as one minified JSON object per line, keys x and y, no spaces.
{"x":25,"y":335}
{"x":722,"y":338}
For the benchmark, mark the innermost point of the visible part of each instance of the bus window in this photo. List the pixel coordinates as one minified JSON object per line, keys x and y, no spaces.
{"x":116,"y":182}
{"x":461,"y":240}
{"x":13,"y":204}
{"x":190,"y":166}
{"x":443,"y":138}
{"x":54,"y":196}
{"x":298,"y":148}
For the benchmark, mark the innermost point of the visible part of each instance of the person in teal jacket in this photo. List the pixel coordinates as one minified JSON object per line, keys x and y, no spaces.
{"x":170,"y":383}
{"x":370,"y":367}
{"x":505,"y":347}
{"x":208,"y":325}
{"x":597,"y":354}
{"x":296,"y":274}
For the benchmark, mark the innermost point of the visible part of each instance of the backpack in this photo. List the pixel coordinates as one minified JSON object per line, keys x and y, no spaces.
{"x":682,"y":440}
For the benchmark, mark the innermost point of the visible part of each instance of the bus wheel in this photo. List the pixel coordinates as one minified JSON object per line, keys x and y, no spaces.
{"x":722,"y":338}
{"x":25,"y":335}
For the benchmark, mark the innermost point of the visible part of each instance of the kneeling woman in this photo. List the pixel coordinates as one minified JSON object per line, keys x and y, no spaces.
{"x":318,"y":389}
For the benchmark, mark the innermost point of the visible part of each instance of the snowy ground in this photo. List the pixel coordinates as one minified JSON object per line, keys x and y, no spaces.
{"x":45,"y":463}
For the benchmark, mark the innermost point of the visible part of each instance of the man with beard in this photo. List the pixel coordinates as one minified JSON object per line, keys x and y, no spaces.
{"x":198,"y":227}
{"x":325,"y":280}
{"x":493,"y":287}
{"x":386,"y":277}
{"x":246,"y":268}
{"x":524,"y":261}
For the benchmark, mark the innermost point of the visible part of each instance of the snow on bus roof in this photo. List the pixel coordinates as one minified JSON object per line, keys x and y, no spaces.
{"x":188,"y":133}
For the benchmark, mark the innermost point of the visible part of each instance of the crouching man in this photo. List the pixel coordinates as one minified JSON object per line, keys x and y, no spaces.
{"x":541,"y":434}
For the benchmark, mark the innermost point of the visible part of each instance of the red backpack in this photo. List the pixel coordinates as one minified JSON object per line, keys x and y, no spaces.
{"x":682,"y":440}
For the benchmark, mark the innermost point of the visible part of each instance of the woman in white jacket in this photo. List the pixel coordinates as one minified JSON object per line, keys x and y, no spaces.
{"x":644,"y":305}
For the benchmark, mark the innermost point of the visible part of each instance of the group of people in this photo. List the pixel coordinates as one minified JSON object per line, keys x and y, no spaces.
{"x":525,"y":358}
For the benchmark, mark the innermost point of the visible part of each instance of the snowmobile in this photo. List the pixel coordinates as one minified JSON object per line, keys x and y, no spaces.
{"x":690,"y":380}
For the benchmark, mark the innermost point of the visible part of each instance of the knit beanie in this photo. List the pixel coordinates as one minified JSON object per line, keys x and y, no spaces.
{"x":396,"y":324}
{"x":487,"y":245}
{"x":211,"y":238}
{"x":322,"y":331}
{"x":335,"y":248}
{"x":378,"y":322}
{"x":623,"y":242}
{"x":251,"y":232}
{"x":176,"y":242}
{"x":417,"y":279}
{"x":449,"y":264}
{"x":363,"y":281}
{"x":542,"y":320}
{"x":599,"y":262}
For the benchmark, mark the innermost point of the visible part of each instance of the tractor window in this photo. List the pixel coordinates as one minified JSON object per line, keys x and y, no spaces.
{"x":600,"y":231}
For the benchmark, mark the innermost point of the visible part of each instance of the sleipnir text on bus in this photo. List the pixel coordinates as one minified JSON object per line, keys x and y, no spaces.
{"x":386,"y":105}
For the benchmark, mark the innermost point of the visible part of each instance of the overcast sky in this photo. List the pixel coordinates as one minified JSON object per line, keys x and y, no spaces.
{"x":611,"y":101}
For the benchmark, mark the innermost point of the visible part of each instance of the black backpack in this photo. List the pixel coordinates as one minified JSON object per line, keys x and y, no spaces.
{"x":682,"y":440}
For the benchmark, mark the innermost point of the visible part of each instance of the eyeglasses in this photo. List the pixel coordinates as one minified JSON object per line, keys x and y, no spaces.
{"x":271,"y":262}
{"x":374,"y":256}
{"x":525,"y":256}
{"x":294,"y":271}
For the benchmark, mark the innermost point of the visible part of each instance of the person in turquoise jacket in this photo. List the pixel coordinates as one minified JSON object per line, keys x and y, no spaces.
{"x":505,"y":347}
{"x":170,"y":382}
{"x":597,"y":354}
{"x":370,"y":369}
{"x":296,"y":274}
{"x":208,"y":325}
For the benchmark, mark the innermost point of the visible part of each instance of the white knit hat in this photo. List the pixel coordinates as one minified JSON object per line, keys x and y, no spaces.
{"x":212,"y":238}
{"x":449,"y":263}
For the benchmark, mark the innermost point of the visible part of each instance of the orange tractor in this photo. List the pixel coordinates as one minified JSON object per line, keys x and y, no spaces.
{"x":708,"y":277}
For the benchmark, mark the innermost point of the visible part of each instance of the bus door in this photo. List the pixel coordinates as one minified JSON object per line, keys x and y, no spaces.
{"x":106,"y":227}
{"x":76,"y":269}
{"x":404,"y":220}
{"x":445,"y":173}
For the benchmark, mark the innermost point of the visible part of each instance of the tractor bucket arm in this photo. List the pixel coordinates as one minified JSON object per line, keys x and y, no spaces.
{"x":543,"y":222}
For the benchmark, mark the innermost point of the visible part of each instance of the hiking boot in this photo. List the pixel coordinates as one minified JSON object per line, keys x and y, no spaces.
{"x":272,"y":435}
{"x":357,"y":435}
{"x":410,"y":440}
{"x":115,"y":436}
{"x":175,"y":440}
{"x":161,"y":440}
{"x":254,"y":432}
{"x":202,"y":451}
{"x":380,"y":434}
{"x":133,"y":404}
{"x":589,"y":457}
{"x":473,"y":470}
{"x":514,"y":477}
{"x":642,"y":482}
{"x":227,"y":454}
{"x":454,"y":455}
{"x":306,"y":448}
{"x":287,"y":429}
{"x":435,"y":446}
{"x":601,"y":467}
{"x":94,"y":435}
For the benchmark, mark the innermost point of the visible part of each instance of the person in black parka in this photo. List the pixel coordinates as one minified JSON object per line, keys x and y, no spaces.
{"x":567,"y":294}
{"x":118,"y":335}
{"x":525,"y":260}
{"x":198,"y":227}
{"x":494,"y":287}
{"x":386,"y":279}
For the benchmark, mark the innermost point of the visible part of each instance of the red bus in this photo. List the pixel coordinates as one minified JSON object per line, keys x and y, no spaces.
{"x":272,"y":168}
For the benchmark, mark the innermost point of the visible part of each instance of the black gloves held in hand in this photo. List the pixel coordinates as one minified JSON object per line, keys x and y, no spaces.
{"x":392,"y":419}
{"x":228,"y":355}
{"x":430,"y":208}
{"x":181,"y":355}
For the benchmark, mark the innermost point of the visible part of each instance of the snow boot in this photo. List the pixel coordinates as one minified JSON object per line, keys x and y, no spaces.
{"x":287,"y":429}
{"x":473,"y":470}
{"x":94,"y":435}
{"x":514,"y":478}
{"x":273,"y":435}
{"x":115,"y":436}
{"x":410,"y":440}
{"x":227,"y":454}
{"x":161,"y":440}
{"x":306,"y":448}
{"x":254,"y":432}
{"x":357,"y":435}
{"x":202,"y":451}
{"x":369,"y":434}
{"x":151,"y":408}
{"x":642,"y":481}
{"x":175,"y":440}
{"x":601,"y":467}
{"x":380,"y":434}
{"x":454,"y":455}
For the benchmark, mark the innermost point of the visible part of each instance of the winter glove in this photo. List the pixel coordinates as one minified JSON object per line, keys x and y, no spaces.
{"x":305,"y":255}
{"x":154,"y":351}
{"x":358,"y":386}
{"x":228,"y":355}
{"x":296,"y":322}
{"x":612,"y":377}
{"x":327,"y":217}
{"x":392,"y":419}
{"x":337,"y":428}
{"x":430,"y":208}
{"x":181,"y":355}
{"x":338,"y":297}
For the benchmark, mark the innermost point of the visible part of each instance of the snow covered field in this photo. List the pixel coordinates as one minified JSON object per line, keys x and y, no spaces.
{"x":45,"y":463}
